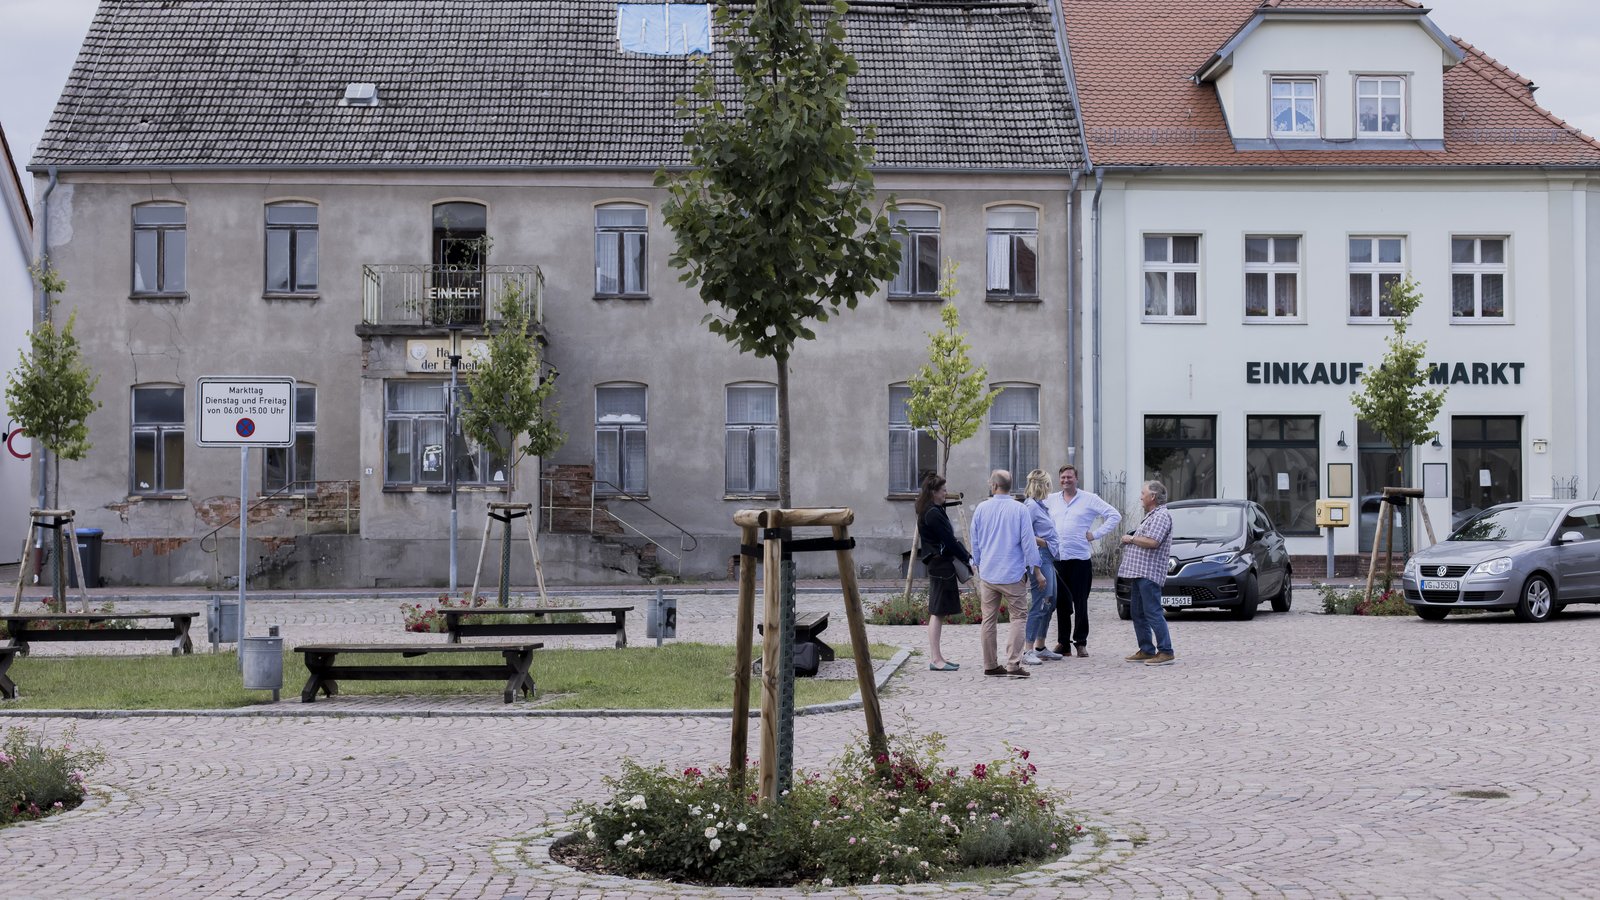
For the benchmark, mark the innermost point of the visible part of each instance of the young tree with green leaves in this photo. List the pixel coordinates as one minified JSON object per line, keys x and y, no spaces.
{"x":512,"y":406}
{"x":949,"y":396}
{"x":774,"y":218}
{"x":51,"y":392}
{"x":1394,"y":398}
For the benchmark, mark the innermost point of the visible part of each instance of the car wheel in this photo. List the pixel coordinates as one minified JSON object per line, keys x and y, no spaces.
{"x":1249,"y":598}
{"x":1285,"y":598}
{"x":1124,"y":612}
{"x":1432,"y":613}
{"x":1537,"y":601}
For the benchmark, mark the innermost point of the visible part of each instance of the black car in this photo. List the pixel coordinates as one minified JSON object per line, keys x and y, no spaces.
{"x":1226,"y":554}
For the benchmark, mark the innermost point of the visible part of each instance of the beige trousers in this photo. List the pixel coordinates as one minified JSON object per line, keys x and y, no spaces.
{"x":1015,"y":597}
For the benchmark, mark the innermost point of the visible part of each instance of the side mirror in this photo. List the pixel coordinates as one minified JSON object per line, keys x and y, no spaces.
{"x":1570,"y":537}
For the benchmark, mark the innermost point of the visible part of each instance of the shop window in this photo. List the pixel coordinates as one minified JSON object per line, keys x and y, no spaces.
{"x":1377,"y":265}
{"x":1478,"y":279}
{"x":1171,"y":277}
{"x":1272,"y":278}
{"x":1014,"y":432}
{"x":1181,"y":453}
{"x":419,"y":449}
{"x":291,"y":248}
{"x":751,"y":441}
{"x":157,"y":441}
{"x":294,"y":469}
{"x":160,"y":238}
{"x":1282,"y":469}
{"x":913,"y":453}
{"x":620,"y":439}
{"x":621,"y":245}
{"x":1013,"y":253}
{"x":917,"y":231}
{"x":1380,"y":466}
{"x":1485,"y":463}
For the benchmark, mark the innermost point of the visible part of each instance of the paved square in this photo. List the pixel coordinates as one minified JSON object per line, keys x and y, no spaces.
{"x":1294,"y":755}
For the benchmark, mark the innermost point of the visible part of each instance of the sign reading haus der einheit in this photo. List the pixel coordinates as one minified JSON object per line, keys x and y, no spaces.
{"x":245,"y":411}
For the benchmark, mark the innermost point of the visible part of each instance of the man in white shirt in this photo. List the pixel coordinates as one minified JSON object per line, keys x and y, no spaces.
{"x":1074,"y":513}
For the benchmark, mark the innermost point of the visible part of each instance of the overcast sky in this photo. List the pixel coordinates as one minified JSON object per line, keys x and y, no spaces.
{"x":1554,"y":42}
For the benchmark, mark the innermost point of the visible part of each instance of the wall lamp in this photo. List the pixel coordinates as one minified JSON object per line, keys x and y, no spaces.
{"x":1437,"y":444}
{"x":1342,"y":444}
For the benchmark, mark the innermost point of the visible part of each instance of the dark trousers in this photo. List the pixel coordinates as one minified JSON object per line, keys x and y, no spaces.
{"x":1073,"y":577}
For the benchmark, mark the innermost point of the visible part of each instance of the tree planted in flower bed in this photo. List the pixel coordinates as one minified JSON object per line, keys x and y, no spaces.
{"x":897,"y":817}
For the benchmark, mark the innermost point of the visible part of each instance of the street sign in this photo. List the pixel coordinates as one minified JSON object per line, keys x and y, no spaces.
{"x":245,"y":411}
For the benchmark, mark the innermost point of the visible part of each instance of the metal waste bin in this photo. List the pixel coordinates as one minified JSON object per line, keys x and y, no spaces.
{"x":89,"y":549}
{"x":261,"y":658}
{"x":222,"y":620}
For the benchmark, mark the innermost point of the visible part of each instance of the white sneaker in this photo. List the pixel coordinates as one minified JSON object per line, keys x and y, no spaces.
{"x":1045,"y":653}
{"x":1031,"y":659}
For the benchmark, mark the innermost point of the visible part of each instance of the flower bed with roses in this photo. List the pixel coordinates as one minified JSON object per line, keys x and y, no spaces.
{"x":898,"y":817}
{"x":430,"y":618}
{"x":39,"y":779}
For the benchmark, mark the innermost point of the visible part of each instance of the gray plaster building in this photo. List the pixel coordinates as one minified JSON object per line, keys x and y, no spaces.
{"x":298,"y":188}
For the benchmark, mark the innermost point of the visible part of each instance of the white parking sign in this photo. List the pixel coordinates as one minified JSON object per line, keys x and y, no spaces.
{"x":244,"y":411}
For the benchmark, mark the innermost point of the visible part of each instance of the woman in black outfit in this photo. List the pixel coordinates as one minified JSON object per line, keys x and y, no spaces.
{"x":939,"y":547}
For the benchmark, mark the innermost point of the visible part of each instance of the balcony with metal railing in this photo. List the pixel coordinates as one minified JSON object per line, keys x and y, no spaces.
{"x":433,"y":296}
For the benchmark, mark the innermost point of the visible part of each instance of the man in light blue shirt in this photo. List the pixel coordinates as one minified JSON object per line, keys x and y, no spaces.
{"x":1004,"y":555}
{"x":1074,"y":513}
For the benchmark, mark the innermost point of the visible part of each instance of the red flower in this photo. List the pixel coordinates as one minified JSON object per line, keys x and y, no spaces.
{"x":691,"y":772}
{"x":980,"y":771}
{"x":1023,"y":753}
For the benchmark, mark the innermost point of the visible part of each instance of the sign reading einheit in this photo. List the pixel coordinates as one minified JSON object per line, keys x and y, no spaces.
{"x":245,"y":411}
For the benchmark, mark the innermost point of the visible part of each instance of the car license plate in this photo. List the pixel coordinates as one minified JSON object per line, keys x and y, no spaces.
{"x":1441,"y":584}
{"x":1176,"y":601}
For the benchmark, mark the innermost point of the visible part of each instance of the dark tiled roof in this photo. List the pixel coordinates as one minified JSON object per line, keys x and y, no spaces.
{"x":1133,"y":60}
{"x":521,"y":83}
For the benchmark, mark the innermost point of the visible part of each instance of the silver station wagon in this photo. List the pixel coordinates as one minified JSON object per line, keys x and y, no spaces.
{"x":1532,"y":558}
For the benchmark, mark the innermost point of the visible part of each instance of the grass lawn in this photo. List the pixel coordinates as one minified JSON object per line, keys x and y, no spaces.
{"x":677,"y":676}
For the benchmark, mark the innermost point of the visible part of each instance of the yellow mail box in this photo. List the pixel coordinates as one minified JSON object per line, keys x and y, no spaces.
{"x":1333,"y":513}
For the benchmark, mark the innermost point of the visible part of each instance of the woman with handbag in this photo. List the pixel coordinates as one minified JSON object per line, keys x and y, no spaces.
{"x":941,"y":552}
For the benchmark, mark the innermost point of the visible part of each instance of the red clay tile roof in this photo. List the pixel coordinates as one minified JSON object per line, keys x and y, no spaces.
{"x":1132,"y":60}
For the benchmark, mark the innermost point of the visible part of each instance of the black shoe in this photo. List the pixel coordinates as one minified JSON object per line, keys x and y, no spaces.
{"x":997,"y":671}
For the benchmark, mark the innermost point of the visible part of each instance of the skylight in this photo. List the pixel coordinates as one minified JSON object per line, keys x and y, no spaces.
{"x":664,"y":29}
{"x":360,"y":93}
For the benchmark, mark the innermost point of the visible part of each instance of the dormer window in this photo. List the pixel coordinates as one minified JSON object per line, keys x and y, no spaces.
{"x":1294,"y":107}
{"x":1380,"y":106}
{"x":664,"y":29}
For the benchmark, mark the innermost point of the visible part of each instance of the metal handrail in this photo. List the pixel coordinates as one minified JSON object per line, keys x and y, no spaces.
{"x":687,"y":542}
{"x":286,"y":489}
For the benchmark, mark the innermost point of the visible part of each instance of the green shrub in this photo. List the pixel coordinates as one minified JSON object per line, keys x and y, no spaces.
{"x":898,"y":609}
{"x":431,"y":619}
{"x":899,"y":817}
{"x":1355,"y":602}
{"x":37,"y":779}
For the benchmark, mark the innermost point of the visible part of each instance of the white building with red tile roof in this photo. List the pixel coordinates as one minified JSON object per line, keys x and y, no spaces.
{"x":1262,"y":174}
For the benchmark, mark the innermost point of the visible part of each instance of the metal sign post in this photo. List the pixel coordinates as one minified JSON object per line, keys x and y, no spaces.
{"x":244,"y":412}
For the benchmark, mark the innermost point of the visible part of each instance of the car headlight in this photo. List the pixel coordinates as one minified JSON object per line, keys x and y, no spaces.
{"x":1410,"y":569}
{"x":1223,"y":558}
{"x":1493,"y":567}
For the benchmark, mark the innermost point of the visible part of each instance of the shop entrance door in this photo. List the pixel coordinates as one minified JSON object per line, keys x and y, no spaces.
{"x":1380,"y":467}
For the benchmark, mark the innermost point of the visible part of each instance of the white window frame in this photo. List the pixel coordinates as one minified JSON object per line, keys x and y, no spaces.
{"x":1271,"y":269}
{"x":621,"y":430}
{"x":909,"y":282}
{"x":1295,"y":82}
{"x":303,"y":455}
{"x":1476,"y":270}
{"x":1013,"y":433}
{"x":1375,"y":271}
{"x":915,"y":441}
{"x":998,"y":234}
{"x":1379,"y":82}
{"x":1171,"y":270}
{"x":748,"y":431}
{"x":623,"y":235}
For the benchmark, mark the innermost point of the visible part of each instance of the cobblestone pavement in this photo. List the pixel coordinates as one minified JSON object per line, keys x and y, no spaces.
{"x":1292,"y":756}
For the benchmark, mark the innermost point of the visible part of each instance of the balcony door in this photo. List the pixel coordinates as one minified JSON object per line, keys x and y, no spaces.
{"x":460,"y":242}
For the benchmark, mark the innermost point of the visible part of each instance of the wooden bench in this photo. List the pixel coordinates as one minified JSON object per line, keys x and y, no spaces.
{"x":321,"y":662}
{"x":32,"y":628}
{"x":8,"y":655}
{"x":807,"y":625}
{"x":458,"y":628}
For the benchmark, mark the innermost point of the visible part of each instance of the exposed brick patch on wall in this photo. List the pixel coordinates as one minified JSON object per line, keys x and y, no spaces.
{"x":564,"y":493}
{"x":155,"y":546}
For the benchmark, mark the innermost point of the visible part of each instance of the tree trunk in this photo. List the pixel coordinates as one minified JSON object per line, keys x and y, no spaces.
{"x":784,"y":495}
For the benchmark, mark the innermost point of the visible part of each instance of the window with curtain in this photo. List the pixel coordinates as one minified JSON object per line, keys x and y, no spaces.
{"x":751,"y":440}
{"x":1172,"y":276}
{"x":160,"y":236}
{"x":621,"y":240}
{"x":1014,"y":432}
{"x":913,"y":453}
{"x":157,"y":441}
{"x":294,"y":467}
{"x":1380,"y":106}
{"x":1013,"y":252}
{"x":917,"y":231}
{"x":1478,"y":279}
{"x":620,"y":441}
{"x":1272,"y":278}
{"x":1377,"y":264}
{"x":1294,"y":107}
{"x":291,"y":248}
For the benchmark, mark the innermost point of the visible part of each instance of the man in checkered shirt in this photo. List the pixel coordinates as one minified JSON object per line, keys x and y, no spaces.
{"x":1145,"y":556}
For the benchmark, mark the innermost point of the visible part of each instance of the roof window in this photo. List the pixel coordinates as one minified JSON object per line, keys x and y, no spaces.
{"x":360,"y":93}
{"x":664,"y":29}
